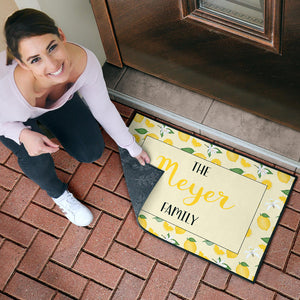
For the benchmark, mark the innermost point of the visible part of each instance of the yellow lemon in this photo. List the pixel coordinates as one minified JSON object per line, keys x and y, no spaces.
{"x":244,"y":163}
{"x":183,"y":136}
{"x":232,"y":156}
{"x":167,"y":227}
{"x":179,"y":230}
{"x":268,"y":183}
{"x":282,"y":198}
{"x":200,"y":155}
{"x":153,"y":135}
{"x":142,"y":221}
{"x":249,"y":232}
{"x":285,"y":178}
{"x":262,"y":247}
{"x":263,"y":222}
{"x":231,"y":254}
{"x":138,"y":118}
{"x":190,"y":245}
{"x":137,"y":138}
{"x":202,"y":255}
{"x":250,"y":176}
{"x":152,"y":231}
{"x":149,"y":124}
{"x":168,"y":141}
{"x":242,"y":269}
{"x":216,"y":161}
{"x":196,"y":143}
{"x":218,"y":250}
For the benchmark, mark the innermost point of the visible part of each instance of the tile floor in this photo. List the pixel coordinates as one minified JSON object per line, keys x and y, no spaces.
{"x":206,"y":116}
{"x":43,"y":256}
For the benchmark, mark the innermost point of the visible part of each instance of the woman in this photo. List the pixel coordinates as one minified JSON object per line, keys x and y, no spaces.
{"x":41,"y":84}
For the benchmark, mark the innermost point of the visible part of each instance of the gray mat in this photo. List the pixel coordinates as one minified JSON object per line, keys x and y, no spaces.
{"x":140,"y":180}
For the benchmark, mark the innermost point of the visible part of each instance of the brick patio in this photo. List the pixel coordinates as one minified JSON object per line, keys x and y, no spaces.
{"x":43,"y":256}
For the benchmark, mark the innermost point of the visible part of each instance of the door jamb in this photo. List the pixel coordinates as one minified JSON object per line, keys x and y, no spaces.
{"x":107,"y":34}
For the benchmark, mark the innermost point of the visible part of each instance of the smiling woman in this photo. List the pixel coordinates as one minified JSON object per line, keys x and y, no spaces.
{"x":44,"y":72}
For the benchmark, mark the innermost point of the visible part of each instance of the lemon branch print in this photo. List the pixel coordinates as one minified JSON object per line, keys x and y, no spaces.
{"x":170,"y":239}
{"x":165,"y":130}
{"x":212,"y":149}
{"x":262,"y":170}
{"x":221,"y":263}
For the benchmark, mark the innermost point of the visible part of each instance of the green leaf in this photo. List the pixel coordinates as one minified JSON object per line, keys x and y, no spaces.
{"x":219,"y":151}
{"x":158,"y":219}
{"x":141,"y":130}
{"x":188,"y":150}
{"x":208,"y":243}
{"x":269,"y":171}
{"x":244,"y":264}
{"x":286,"y":192}
{"x":265,"y":215}
{"x":266,"y":240}
{"x":175,"y":242}
{"x":227,"y":267}
{"x":192,"y":240}
{"x":142,"y":217}
{"x":170,"y":131}
{"x":237,"y":170}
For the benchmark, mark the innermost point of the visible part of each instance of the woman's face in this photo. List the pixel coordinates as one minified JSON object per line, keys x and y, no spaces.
{"x":46,"y":57}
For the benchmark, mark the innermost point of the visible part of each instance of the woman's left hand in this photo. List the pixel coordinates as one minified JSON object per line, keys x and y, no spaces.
{"x":143,"y":158}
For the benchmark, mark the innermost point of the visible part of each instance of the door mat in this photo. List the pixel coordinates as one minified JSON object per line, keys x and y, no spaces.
{"x":219,"y":205}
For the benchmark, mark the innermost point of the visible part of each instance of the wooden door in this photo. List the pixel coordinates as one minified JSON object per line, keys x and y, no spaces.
{"x":253,"y":66}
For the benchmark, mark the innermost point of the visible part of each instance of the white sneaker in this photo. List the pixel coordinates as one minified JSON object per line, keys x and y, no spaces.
{"x":76,"y":212}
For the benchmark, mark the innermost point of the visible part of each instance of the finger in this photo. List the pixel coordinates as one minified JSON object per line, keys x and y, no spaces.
{"x":147,"y":159}
{"x":141,"y":160}
{"x":46,"y":149}
{"x":49,"y":143}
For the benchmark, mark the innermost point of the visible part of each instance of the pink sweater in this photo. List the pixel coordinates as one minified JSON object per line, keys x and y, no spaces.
{"x":14,"y":109}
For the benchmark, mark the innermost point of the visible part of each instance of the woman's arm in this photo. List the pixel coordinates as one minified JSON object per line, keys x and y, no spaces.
{"x":95,"y":94}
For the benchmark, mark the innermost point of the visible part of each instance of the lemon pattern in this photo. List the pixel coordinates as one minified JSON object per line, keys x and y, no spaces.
{"x":142,"y":221}
{"x":264,"y":222}
{"x":190,"y":245}
{"x":277,"y":184}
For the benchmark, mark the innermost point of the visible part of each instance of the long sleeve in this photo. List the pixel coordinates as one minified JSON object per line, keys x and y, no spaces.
{"x":12,"y":130}
{"x":96,"y":96}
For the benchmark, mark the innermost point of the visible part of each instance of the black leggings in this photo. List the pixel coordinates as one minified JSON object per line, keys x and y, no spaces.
{"x":77,"y":130}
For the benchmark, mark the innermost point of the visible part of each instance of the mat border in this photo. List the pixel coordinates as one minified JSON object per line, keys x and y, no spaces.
{"x":249,"y":156}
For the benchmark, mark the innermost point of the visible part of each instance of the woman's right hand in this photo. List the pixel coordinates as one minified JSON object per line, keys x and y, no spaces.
{"x":36,"y":143}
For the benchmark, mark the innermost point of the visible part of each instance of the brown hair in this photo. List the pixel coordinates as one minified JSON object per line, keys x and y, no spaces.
{"x":26,"y":23}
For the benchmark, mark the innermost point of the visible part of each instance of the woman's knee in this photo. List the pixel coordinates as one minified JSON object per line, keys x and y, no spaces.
{"x":91,"y":153}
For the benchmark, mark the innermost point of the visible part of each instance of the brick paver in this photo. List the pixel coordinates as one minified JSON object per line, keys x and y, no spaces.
{"x":64,"y":280}
{"x":70,"y":245}
{"x":103,"y":235}
{"x":10,"y":256}
{"x":23,"y":287}
{"x":20,"y":197}
{"x":98,"y":270}
{"x":38,"y":254}
{"x":44,"y":256}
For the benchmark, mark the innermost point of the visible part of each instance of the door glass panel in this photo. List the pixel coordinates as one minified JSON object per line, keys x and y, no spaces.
{"x":247,"y":12}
